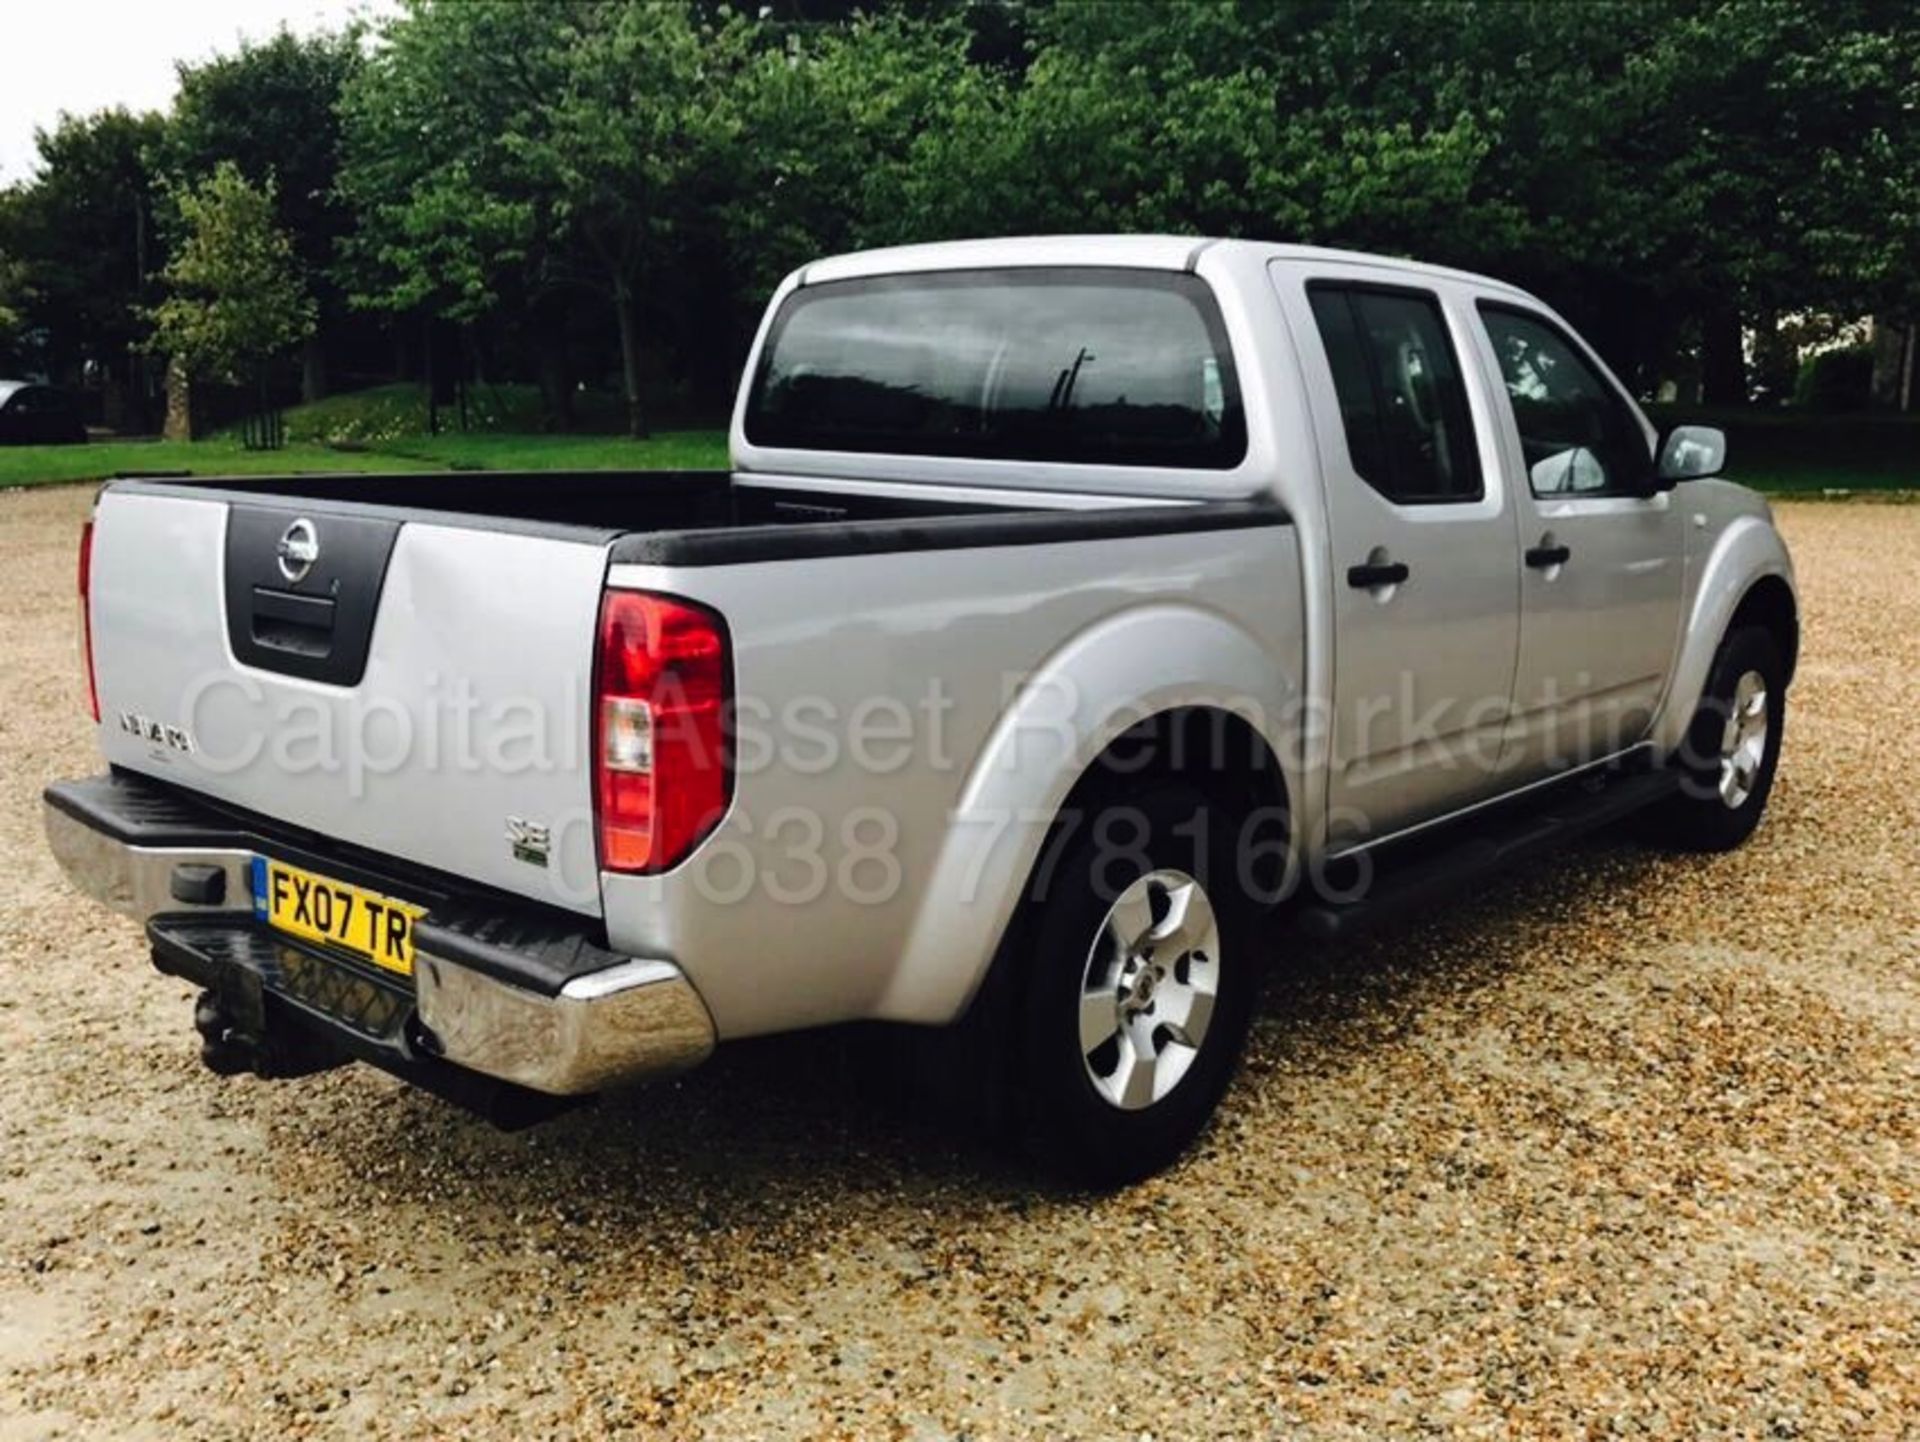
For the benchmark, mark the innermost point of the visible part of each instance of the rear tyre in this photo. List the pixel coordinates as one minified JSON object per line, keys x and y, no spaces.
{"x":1728,"y":759}
{"x":1138,"y":980}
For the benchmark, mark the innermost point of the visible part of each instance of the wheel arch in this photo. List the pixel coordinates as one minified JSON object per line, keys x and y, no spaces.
{"x":1226,"y":697}
{"x":1213,"y":748}
{"x":1746,"y":577}
{"x":1769,"y":603}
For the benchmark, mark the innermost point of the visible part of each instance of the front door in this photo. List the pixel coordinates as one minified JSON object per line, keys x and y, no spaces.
{"x":1424,"y":552}
{"x":1603,"y":562}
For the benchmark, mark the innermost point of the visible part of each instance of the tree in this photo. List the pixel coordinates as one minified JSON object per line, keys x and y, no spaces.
{"x":450,"y":224}
{"x":80,"y":238}
{"x":832,"y":121}
{"x":236,"y":294}
{"x":1218,"y":119}
{"x":1691,"y":171}
{"x":272,"y":109}
{"x":16,"y":281}
{"x":635,"y":136}
{"x":581,"y":176}
{"x":497,"y":148}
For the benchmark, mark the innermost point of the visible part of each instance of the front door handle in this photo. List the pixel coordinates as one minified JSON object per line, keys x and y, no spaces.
{"x":1377,"y":573}
{"x":1542,"y":557}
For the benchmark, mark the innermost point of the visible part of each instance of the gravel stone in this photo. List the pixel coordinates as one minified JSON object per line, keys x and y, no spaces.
{"x":1626,"y":1146}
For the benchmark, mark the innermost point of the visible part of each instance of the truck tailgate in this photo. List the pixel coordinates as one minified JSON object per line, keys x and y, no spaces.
{"x":419,"y":687}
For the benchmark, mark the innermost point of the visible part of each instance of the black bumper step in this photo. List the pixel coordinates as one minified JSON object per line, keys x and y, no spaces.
{"x":282,"y":1008}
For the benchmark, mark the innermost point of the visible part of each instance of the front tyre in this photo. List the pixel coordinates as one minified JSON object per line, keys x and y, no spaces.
{"x":1732,"y":748}
{"x":1140,"y":979}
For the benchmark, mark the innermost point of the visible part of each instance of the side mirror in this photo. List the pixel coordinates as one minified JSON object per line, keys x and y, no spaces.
{"x":1692,"y":453}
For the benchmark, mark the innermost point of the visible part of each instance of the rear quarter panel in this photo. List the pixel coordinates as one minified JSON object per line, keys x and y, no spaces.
{"x":909,"y":724}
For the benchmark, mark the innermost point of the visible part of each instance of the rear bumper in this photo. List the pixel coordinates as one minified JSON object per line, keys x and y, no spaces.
{"x":522,"y":997}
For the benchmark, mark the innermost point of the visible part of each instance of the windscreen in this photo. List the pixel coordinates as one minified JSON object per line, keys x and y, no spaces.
{"x":1094,"y":366}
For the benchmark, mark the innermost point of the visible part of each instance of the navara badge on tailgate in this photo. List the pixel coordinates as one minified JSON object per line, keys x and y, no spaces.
{"x":299,"y":548}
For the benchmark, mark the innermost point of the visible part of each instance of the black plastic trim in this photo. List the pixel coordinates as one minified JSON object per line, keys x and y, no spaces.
{"x":940,"y":533}
{"x":318,"y":623}
{"x":525,"y":949}
{"x":138,"y":812}
{"x":1432,"y":868}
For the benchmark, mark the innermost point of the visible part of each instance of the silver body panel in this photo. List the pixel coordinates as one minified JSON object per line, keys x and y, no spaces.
{"x":1013,"y":664}
{"x":1012,"y":667}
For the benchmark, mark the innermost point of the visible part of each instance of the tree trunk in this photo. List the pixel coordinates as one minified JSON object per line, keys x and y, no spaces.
{"x":429,"y":352}
{"x":623,"y":307}
{"x":550,"y":359}
{"x":1723,"y":364}
{"x":179,"y":424}
{"x":1776,"y":361}
{"x":313,"y":370}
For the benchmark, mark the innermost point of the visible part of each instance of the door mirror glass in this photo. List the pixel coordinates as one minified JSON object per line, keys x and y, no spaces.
{"x":1691,"y":453}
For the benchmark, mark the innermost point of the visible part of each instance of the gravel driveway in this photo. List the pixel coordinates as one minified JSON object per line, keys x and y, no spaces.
{"x":1631,"y":1145}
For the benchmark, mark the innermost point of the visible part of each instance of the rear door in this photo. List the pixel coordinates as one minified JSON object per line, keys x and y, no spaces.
{"x":400,"y":682}
{"x":1423,"y":542}
{"x":1603,"y":562}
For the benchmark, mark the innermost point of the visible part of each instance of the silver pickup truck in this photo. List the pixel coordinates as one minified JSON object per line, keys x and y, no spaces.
{"x":1082,"y":622}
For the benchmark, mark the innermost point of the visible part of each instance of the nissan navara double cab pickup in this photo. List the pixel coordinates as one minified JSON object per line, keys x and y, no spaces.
{"x":1082,"y":623}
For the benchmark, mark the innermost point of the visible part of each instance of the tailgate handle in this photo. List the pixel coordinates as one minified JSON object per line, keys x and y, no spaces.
{"x":283,"y":621}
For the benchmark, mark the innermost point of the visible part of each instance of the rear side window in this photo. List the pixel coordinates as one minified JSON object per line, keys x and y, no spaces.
{"x":1403,"y":404}
{"x":1094,"y":366}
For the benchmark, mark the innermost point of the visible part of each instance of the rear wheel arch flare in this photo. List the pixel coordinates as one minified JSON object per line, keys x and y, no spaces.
{"x":1215,"y":749}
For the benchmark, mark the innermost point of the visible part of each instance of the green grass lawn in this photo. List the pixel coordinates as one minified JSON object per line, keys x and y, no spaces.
{"x":667,"y":451}
{"x":673,"y":450}
{"x":395,"y":412}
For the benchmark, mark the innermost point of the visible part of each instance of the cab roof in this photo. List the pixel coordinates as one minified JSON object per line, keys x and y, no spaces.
{"x":1133,"y":252}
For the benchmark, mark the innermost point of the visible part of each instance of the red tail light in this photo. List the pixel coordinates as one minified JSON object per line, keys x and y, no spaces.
{"x":662,"y":773}
{"x":86,"y":616}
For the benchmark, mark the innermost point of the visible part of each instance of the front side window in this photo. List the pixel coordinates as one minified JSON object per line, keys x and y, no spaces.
{"x":1579,"y":438}
{"x":1095,"y":366}
{"x":1403,"y":404}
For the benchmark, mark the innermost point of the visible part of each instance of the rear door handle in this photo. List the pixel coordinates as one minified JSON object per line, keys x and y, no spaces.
{"x":1365,"y":578}
{"x":1541,"y":557}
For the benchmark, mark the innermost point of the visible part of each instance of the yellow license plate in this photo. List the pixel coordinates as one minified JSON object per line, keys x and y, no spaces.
{"x":373,"y":927}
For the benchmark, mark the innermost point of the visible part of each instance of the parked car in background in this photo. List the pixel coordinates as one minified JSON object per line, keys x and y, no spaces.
{"x":37,"y":415}
{"x":1068,"y":601}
